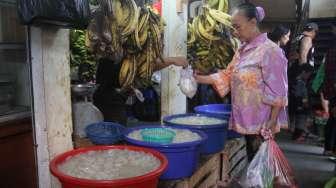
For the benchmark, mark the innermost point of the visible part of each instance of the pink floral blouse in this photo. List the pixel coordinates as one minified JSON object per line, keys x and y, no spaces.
{"x":257,"y":80}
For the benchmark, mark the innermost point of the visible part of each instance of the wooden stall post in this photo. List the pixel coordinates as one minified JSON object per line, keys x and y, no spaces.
{"x":51,"y":97}
{"x":173,"y":101}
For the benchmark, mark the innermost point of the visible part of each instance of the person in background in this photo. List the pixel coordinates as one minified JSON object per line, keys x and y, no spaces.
{"x":306,"y":46}
{"x":256,"y":77}
{"x":280,"y":35}
{"x":329,"y":94}
{"x":108,"y":98}
{"x":304,"y":55}
{"x":301,"y":101}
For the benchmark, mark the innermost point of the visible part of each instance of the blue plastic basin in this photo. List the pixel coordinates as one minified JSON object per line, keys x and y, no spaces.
{"x":218,"y":110}
{"x":217,"y":133}
{"x":104,"y":133}
{"x":182,"y":157}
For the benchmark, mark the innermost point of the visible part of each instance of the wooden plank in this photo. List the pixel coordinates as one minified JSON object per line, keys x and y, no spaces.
{"x":225,"y":168}
{"x":210,"y":181}
{"x":212,"y":165}
{"x":239,"y":167}
{"x":233,"y":146}
{"x":237,"y":157}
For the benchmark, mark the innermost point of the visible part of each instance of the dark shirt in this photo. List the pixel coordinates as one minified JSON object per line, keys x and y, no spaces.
{"x":107,"y":78}
{"x":107,"y":75}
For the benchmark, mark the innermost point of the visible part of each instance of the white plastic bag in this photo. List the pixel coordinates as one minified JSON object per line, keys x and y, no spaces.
{"x":269,"y":167}
{"x":188,"y":84}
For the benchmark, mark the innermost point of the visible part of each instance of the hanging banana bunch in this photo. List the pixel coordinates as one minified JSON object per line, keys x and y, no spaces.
{"x":210,"y":44}
{"x":151,"y":47}
{"x":129,"y":35}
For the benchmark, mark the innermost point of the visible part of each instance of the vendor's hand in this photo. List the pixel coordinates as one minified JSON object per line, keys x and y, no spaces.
{"x":203,"y":79}
{"x":271,"y":124}
{"x":178,"y":61}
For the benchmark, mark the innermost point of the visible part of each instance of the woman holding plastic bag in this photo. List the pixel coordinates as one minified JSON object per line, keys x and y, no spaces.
{"x":256,"y":77}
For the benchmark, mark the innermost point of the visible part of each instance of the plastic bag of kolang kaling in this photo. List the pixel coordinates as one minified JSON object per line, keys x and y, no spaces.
{"x":187,"y":83}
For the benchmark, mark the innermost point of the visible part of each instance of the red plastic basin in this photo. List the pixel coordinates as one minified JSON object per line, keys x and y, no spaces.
{"x":149,"y":180}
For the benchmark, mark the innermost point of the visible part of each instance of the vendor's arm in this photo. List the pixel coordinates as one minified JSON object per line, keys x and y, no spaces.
{"x":178,"y":61}
{"x":274,"y":71}
{"x":221,"y":80}
{"x":306,"y":44}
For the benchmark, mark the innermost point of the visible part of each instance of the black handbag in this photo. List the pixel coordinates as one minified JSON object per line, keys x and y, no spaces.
{"x":64,"y":13}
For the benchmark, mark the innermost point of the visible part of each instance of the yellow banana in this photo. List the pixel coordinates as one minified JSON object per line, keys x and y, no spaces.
{"x":117,"y":11}
{"x":143,"y":20}
{"x":204,"y":33}
{"x":127,"y":73}
{"x":221,"y":17}
{"x":221,"y":5}
{"x":143,"y":35}
{"x":212,"y":23}
{"x":133,"y":20}
{"x":226,"y":6}
{"x":136,"y":37}
{"x":213,"y":3}
{"x":202,"y":53}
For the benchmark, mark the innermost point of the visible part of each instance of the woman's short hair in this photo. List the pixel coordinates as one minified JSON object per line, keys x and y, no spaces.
{"x":311,"y":27}
{"x":278,"y":32}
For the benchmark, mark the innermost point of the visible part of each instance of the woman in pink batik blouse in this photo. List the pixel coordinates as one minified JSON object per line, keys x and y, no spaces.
{"x":256,"y":78}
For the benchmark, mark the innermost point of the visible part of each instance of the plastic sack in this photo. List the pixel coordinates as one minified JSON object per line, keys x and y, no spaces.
{"x":188,"y":84}
{"x":269,"y":168}
{"x":65,"y":13}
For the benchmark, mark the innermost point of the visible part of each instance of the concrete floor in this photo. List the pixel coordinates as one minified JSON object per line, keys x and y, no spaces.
{"x":312,"y":169}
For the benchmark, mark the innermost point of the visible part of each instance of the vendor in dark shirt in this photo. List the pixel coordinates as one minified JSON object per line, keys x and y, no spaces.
{"x":109,"y":100}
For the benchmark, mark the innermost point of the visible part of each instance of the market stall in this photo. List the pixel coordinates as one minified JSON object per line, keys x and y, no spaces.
{"x":136,"y":49}
{"x":134,"y":38}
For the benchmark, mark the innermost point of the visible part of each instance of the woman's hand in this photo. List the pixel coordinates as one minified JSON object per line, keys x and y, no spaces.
{"x":203,"y":79}
{"x":271,"y":124}
{"x":178,"y":61}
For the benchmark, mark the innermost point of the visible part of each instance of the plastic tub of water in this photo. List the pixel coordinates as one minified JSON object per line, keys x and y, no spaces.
{"x":218,"y":110}
{"x":215,"y":129}
{"x":182,"y":157}
{"x":148,"y":180}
